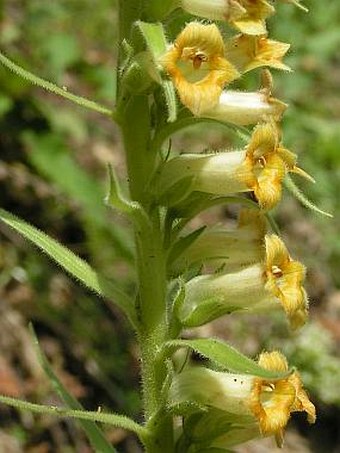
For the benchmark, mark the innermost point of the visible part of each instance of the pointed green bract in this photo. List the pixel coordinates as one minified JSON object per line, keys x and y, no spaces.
{"x":115,"y":198}
{"x":292,"y":187}
{"x":157,"y":45}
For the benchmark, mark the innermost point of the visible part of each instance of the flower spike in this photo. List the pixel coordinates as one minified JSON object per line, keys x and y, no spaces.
{"x":197,"y":66}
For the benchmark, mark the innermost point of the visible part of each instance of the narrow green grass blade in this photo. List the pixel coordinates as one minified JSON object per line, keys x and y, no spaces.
{"x":74,"y":265}
{"x":225,"y":356}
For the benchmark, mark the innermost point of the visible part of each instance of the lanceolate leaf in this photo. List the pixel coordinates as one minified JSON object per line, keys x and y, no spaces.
{"x":95,"y":435}
{"x":74,"y":265}
{"x":52,"y":87}
{"x":224,"y":356}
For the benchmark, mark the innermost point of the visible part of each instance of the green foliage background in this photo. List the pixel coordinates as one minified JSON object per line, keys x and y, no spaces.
{"x":53,"y":174}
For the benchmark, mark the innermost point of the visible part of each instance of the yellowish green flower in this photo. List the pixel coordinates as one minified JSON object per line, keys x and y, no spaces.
{"x":259,"y":168}
{"x":231,"y":248}
{"x":267,"y":402}
{"x":225,"y":10}
{"x":273,"y":402}
{"x":247,"y":52}
{"x":275,"y":282}
{"x":244,"y":108}
{"x":248,"y":16}
{"x":269,"y":162}
{"x":253,"y":22}
{"x":284,"y":279}
{"x":197,"y":66}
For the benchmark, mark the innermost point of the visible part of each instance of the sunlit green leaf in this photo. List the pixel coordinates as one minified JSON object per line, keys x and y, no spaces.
{"x":74,"y":265}
{"x":224,"y":356}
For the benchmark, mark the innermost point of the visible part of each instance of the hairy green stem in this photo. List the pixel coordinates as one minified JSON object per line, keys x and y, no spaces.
{"x":134,"y":112}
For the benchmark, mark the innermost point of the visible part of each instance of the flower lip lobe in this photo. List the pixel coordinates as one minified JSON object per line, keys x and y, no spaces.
{"x":253,"y":22}
{"x":197,"y":66}
{"x":284,"y":280}
{"x":272,"y":402}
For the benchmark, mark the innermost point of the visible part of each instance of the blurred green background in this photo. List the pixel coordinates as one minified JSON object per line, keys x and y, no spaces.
{"x":53,"y":174}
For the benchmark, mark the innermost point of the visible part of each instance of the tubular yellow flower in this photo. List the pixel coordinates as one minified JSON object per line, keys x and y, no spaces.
{"x":253,"y":22}
{"x":228,"y":10}
{"x":266,"y":402}
{"x":274,"y":283}
{"x":273,"y":402}
{"x":246,"y":108}
{"x":231,"y":248}
{"x":269,"y":162}
{"x":284,"y":279}
{"x":197,"y":66}
{"x":248,"y":52}
{"x":260,"y":168}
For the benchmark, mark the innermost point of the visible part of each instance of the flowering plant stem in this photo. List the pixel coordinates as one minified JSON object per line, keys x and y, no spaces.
{"x":151,"y":269}
{"x":173,"y":288}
